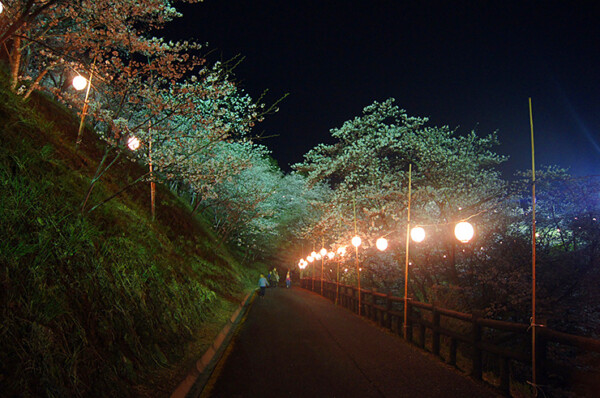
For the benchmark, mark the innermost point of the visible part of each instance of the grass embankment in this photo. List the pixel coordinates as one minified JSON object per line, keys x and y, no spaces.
{"x":111,"y":304}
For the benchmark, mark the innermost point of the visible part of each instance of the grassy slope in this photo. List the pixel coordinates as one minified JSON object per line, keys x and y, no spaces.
{"x":111,"y":304}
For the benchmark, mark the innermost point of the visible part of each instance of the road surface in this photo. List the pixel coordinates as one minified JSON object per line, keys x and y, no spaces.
{"x":295,"y":343}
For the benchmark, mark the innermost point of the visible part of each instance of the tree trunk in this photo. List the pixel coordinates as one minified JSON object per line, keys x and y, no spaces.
{"x":15,"y":63}
{"x":35,"y":83}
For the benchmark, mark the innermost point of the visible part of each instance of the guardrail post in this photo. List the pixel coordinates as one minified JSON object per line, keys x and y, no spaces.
{"x":504,"y":376}
{"x":541,"y":352}
{"x":422,"y":330}
{"x":476,"y":371}
{"x":408,"y":326}
{"x":388,"y":308}
{"x":435,"y":344}
{"x":453,"y":347}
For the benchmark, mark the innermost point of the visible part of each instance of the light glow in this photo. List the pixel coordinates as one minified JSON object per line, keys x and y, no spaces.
{"x":79,"y":82}
{"x":133,"y":143}
{"x":381,"y":244}
{"x":323,"y":251}
{"x":331,"y":255}
{"x":417,"y":234}
{"x":356,"y":241}
{"x":310,"y":259}
{"x":464,"y":231}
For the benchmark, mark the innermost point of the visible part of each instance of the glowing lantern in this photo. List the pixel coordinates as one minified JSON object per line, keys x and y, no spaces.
{"x":464,"y":231}
{"x":417,"y":234}
{"x":381,"y":244}
{"x":331,"y":255}
{"x":342,"y":250}
{"x":310,"y":259}
{"x":79,"y":82}
{"x":314,"y":254}
{"x":133,"y":143}
{"x":356,"y":241}
{"x":323,"y":252}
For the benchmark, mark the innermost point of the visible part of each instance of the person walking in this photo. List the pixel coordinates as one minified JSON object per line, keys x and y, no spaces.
{"x":288,"y":280}
{"x":262,"y":285}
{"x":275,"y":277}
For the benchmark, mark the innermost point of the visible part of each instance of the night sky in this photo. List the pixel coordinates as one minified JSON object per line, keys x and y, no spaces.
{"x":466,"y":64}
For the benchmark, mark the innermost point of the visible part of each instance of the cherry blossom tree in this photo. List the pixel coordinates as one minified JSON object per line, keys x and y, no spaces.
{"x":453,"y":178}
{"x":58,"y":37}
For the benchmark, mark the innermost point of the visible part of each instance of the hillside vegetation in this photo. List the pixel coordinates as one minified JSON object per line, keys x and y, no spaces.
{"x":110,"y":304}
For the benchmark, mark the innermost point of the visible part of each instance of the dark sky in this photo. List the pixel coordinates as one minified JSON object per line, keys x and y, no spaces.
{"x":466,"y":64}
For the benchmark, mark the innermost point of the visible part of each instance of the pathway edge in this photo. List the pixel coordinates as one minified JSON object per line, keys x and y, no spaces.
{"x":192,"y":385}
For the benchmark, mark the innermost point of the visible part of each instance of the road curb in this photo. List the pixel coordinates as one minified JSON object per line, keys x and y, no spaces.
{"x":192,"y":385}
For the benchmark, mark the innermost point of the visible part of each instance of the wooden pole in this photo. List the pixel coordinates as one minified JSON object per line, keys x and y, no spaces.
{"x":313,"y":267}
{"x":152,"y":184}
{"x":533,"y":242}
{"x":322,"y":264}
{"x":356,"y":251}
{"x":85,"y":107}
{"x":407,"y":247}
{"x":337,"y":288}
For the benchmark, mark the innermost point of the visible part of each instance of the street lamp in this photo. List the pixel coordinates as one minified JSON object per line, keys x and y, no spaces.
{"x":356,"y":241}
{"x":79,"y":83}
{"x":381,"y":244}
{"x":417,"y":234}
{"x":464,"y":231}
{"x":133,"y":143}
{"x":302,"y":264}
{"x":313,"y":257}
{"x":340,"y":251}
{"x":322,"y":253}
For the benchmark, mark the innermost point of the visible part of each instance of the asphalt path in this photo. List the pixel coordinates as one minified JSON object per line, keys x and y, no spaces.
{"x":295,"y":343}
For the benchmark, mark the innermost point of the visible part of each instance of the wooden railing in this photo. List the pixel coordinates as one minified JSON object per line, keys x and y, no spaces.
{"x":490,"y":345}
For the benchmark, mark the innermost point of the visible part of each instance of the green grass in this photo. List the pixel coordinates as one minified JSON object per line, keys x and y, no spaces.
{"x":112,"y":304}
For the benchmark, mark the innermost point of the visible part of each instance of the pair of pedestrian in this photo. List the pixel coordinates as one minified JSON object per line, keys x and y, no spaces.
{"x":274,"y":277}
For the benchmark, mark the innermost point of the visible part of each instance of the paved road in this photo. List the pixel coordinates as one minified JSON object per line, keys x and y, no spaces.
{"x":295,"y":343}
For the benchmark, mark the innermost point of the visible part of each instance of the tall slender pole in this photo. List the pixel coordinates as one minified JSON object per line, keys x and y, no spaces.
{"x":322,"y":264}
{"x":337,"y":288}
{"x":85,"y":107}
{"x":152,"y":185}
{"x":405,"y":326}
{"x":302,"y":253}
{"x":533,"y":282}
{"x":313,"y":267}
{"x":356,"y":251}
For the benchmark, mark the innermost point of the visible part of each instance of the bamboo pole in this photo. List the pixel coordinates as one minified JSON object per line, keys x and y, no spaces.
{"x":313,"y":269}
{"x":322,"y":264}
{"x":356,"y":251}
{"x":85,"y":107}
{"x":533,"y":243}
{"x":404,"y":327}
{"x":152,"y":184}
